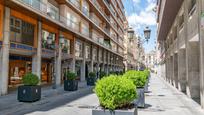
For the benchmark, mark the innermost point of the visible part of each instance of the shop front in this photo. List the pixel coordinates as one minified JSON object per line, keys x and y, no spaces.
{"x":18,"y":67}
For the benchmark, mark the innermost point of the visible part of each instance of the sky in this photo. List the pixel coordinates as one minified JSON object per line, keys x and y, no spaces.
{"x":140,"y":14}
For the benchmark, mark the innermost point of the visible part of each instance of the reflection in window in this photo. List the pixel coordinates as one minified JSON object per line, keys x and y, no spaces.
{"x":45,"y":35}
{"x":78,"y":49}
{"x":67,"y":46}
{"x":21,"y":31}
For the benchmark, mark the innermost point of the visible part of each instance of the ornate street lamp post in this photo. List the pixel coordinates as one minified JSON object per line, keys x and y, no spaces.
{"x":147,"y":33}
{"x":56,"y":49}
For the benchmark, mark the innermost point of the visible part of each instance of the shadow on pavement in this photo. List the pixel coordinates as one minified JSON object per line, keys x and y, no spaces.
{"x":55,"y":103}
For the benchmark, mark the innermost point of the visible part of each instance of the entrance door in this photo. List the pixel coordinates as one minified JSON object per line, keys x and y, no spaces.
{"x":87,"y":71}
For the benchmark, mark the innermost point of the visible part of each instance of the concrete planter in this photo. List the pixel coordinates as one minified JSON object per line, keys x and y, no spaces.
{"x":29,"y":93}
{"x":99,"y":111}
{"x":91,"y":81}
{"x":70,"y":85}
{"x":140,"y":101}
{"x":146,"y":87}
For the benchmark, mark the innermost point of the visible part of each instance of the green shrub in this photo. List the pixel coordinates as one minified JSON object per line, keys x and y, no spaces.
{"x":92,"y":75}
{"x":115,"y":92}
{"x":147,"y":73}
{"x":139,"y":78}
{"x":102,"y":74}
{"x":30,"y":79}
{"x":71,"y":76}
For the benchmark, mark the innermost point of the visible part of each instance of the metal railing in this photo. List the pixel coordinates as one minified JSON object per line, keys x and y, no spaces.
{"x":42,"y":7}
{"x":76,"y":3}
{"x":48,"y":10}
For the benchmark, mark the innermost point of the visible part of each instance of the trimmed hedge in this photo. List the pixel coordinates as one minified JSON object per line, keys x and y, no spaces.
{"x":30,"y":79}
{"x":139,"y":78}
{"x":92,"y":75}
{"x":115,"y":92}
{"x":71,"y":76}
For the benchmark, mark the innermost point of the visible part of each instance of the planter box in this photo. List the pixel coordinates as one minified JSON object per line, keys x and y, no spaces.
{"x":29,"y":93}
{"x":115,"y":112}
{"x":140,"y":101}
{"x":91,"y":81}
{"x":70,"y":85}
{"x":146,"y":87}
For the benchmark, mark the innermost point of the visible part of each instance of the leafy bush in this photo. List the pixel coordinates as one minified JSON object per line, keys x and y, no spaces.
{"x":71,"y":76}
{"x":147,"y":73}
{"x":30,"y":79}
{"x":115,"y":92}
{"x":92,"y":75}
{"x":139,"y":78}
{"x":112,"y":73}
{"x":102,"y":74}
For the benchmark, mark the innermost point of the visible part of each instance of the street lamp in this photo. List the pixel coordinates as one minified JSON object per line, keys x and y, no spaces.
{"x":56,"y":49}
{"x":147,"y":33}
{"x":131,"y":33}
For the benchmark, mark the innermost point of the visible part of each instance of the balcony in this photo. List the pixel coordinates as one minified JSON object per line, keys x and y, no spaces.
{"x":70,"y":23}
{"x":47,"y":9}
{"x":85,"y":31}
{"x":92,"y":17}
{"x":75,"y":3}
{"x":85,"y":11}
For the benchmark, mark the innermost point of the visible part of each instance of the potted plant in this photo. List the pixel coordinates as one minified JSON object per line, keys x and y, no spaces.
{"x":71,"y":82}
{"x":102,"y":74}
{"x":123,"y":91}
{"x":30,"y":91}
{"x":147,"y":74}
{"x":91,"y":79}
{"x":139,"y":79}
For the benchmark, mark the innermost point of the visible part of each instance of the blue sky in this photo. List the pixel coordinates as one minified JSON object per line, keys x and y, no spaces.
{"x":140,"y":14}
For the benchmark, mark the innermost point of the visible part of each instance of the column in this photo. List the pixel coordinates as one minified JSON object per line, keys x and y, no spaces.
{"x":201,"y":33}
{"x":192,"y":68}
{"x":175,"y":69}
{"x":73,"y":61}
{"x":92,"y":63}
{"x":83,"y":64}
{"x":108,"y":63}
{"x":36,"y":59}
{"x":182,"y":70}
{"x":58,"y":65}
{"x":171,"y":70}
{"x":5,"y":53}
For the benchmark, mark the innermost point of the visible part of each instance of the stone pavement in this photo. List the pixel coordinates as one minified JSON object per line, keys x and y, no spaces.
{"x":163,"y":99}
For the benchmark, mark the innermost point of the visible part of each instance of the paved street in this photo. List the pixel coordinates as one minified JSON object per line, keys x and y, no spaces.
{"x":162,"y":99}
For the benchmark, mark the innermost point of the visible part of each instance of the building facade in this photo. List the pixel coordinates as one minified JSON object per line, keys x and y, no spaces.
{"x":93,"y":31}
{"x":180,"y":45}
{"x":134,"y":51}
{"x":150,"y":60}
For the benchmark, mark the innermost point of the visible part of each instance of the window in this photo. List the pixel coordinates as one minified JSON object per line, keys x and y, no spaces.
{"x":67,"y":46}
{"x":84,"y":29}
{"x":21,"y":31}
{"x":72,"y":21}
{"x":85,"y":8}
{"x":88,"y":52}
{"x":78,"y":49}
{"x":45,"y":35}
{"x":94,"y":54}
{"x":53,"y":11}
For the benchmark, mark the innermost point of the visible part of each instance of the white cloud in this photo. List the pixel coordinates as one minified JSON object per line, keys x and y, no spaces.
{"x":136,"y":1}
{"x":144,"y":18}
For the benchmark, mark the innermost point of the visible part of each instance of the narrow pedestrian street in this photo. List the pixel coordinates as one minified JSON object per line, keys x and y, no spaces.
{"x":162,"y":99}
